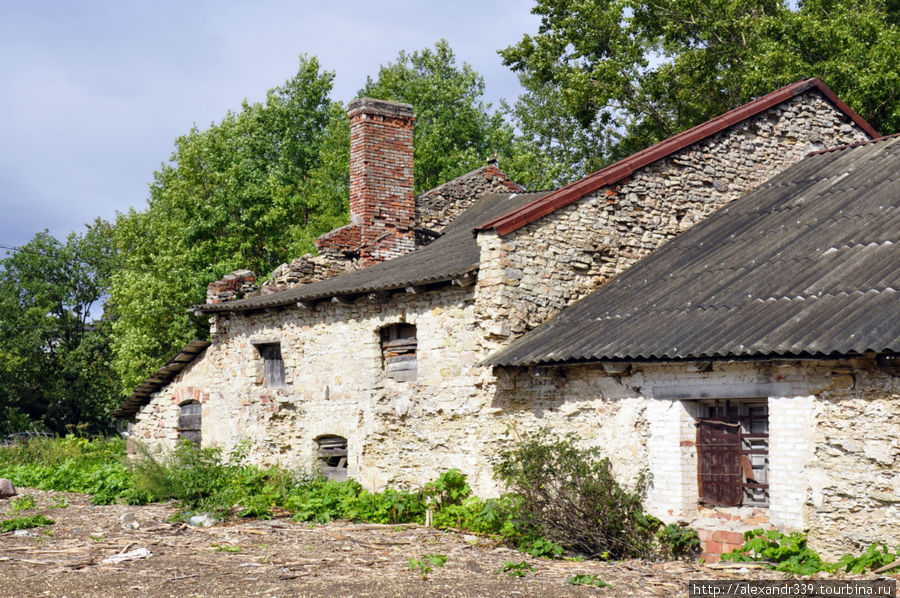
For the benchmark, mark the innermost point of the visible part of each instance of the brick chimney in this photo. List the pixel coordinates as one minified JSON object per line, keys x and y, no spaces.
{"x":382,"y":203}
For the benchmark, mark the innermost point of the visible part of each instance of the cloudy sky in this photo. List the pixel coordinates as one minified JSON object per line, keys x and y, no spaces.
{"x":95,"y":92}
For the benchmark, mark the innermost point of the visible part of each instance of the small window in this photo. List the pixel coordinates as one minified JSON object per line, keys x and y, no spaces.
{"x":189,"y":422}
{"x":274,"y":364}
{"x":398,"y":350}
{"x":733,"y":453}
{"x":331,"y":457}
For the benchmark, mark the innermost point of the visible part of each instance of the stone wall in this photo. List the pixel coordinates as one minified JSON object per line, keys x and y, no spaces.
{"x":435,"y":209}
{"x":540,"y":268}
{"x":827,"y":473}
{"x":305,"y":269}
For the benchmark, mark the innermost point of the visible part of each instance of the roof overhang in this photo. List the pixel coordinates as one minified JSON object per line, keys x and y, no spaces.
{"x":142,"y":394}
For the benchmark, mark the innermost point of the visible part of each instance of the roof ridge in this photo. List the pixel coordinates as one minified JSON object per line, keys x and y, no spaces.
{"x":623,"y":168}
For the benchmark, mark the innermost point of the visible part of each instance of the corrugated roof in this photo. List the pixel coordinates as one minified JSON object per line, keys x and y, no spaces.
{"x":452,"y":255}
{"x":622,"y":169}
{"x":164,"y":375}
{"x":806,"y":265}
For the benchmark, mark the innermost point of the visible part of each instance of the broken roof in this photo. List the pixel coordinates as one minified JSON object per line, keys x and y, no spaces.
{"x":164,"y":375}
{"x":453,"y":255}
{"x":622,"y":169}
{"x":806,"y":265}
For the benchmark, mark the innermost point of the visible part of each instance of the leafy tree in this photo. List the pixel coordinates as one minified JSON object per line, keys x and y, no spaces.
{"x":455,"y":130}
{"x":605,"y":78}
{"x":54,"y":371}
{"x":231,"y":196}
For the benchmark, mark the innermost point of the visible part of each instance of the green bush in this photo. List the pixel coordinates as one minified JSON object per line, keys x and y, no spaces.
{"x":568,"y":495}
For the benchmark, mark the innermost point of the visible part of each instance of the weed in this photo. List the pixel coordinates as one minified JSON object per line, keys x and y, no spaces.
{"x":789,"y":553}
{"x":226,"y":548}
{"x":60,"y":502}
{"x":425,"y":565}
{"x":514,"y":569}
{"x":678,"y":541}
{"x":8,"y":525}
{"x":23,"y":503}
{"x":588,"y":580}
{"x":98,"y":538}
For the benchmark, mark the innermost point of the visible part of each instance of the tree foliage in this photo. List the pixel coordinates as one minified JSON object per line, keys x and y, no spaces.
{"x":605,"y":78}
{"x":54,"y":354}
{"x":231,"y":196}
{"x":456,"y":131}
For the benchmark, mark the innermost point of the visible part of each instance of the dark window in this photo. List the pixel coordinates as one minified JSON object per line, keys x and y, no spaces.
{"x":274,"y":364}
{"x":189,"y":422}
{"x":332,"y":457}
{"x":733,"y":453}
{"x":398,"y":350}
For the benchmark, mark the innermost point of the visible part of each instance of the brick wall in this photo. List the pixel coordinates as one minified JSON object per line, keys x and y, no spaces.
{"x":381,"y":177}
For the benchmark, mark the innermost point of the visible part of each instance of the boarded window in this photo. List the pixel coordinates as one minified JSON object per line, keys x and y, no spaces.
{"x":189,"y":422}
{"x":733,"y":453}
{"x":274,"y":364}
{"x":331,"y":457}
{"x":398,"y":349}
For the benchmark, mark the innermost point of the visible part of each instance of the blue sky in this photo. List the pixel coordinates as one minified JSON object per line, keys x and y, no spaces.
{"x":94,"y":93}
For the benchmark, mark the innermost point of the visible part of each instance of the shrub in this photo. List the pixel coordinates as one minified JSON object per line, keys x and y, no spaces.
{"x":569,"y":496}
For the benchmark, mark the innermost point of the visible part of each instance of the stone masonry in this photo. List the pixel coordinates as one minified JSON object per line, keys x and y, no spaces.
{"x":540,"y":268}
{"x":438,"y":207}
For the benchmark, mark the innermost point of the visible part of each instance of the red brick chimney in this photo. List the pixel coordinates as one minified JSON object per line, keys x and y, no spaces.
{"x":382,"y":203}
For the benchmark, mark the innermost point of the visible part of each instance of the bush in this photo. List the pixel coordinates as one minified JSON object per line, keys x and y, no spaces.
{"x":568,"y":496}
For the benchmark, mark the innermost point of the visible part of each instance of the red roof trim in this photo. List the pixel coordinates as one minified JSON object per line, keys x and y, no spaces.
{"x":620,"y":170}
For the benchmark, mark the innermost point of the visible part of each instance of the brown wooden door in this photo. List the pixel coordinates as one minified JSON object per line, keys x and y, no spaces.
{"x":720,"y":473}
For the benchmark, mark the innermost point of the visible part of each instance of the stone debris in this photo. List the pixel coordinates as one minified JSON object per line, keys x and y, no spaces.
{"x":131,"y":555}
{"x":203,"y":520}
{"x":6,"y":488}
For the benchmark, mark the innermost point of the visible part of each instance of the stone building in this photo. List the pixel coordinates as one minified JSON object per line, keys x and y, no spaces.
{"x":380,"y":373}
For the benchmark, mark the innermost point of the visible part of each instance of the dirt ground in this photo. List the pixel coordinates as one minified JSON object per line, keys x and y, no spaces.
{"x":282,"y":558}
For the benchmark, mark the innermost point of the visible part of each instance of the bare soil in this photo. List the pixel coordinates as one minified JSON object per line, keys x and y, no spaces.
{"x":282,"y":558}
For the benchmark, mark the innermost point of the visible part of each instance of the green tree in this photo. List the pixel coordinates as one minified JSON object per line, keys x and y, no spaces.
{"x":231,"y":196}
{"x":456,"y":131}
{"x":628,"y":73}
{"x":54,"y":370}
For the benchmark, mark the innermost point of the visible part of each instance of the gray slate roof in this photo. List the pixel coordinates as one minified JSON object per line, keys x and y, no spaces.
{"x":452,"y":255}
{"x":806,"y":265}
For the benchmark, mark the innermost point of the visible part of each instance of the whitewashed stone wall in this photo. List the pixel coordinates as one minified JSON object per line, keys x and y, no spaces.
{"x":540,"y":268}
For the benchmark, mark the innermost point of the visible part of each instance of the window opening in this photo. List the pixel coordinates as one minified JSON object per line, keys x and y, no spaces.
{"x":733,"y":453}
{"x":398,"y":350}
{"x":331,"y":457}
{"x":274,"y":364}
{"x":189,"y":422}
